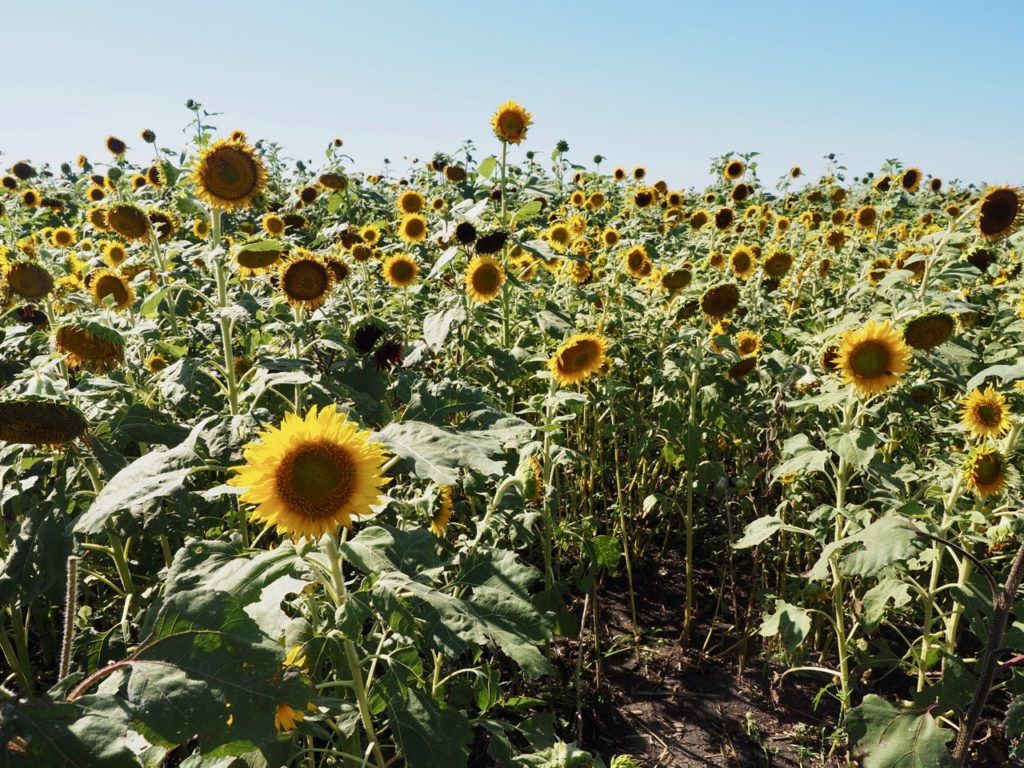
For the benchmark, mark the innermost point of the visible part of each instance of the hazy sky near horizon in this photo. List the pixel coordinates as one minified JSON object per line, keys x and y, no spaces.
{"x":660,"y":83}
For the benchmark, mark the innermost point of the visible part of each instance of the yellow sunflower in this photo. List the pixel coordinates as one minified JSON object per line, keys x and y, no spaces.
{"x":734,"y":170}
{"x":306,"y":281}
{"x":273,"y":224}
{"x":582,"y":355}
{"x":108,"y":286}
{"x":439,"y":524}
{"x":748,"y":344}
{"x":410,"y":201}
{"x":310,"y":475}
{"x":637,"y":262}
{"x":985,"y":413}
{"x":743,"y":262}
{"x":228,"y":174}
{"x":1001,"y":212}
{"x":986,"y":471}
{"x":412,"y":228}
{"x":484,"y":278}
{"x":400,"y":270}
{"x":510,"y":122}
{"x":114,"y":253}
{"x":873,"y":357}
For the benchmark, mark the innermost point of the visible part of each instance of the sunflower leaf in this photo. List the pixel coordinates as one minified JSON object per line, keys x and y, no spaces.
{"x":438,"y":454}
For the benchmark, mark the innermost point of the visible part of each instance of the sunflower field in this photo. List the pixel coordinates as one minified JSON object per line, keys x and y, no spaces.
{"x":301,"y":466}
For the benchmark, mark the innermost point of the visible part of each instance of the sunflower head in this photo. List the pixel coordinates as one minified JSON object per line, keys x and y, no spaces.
{"x":873,"y":357}
{"x":484,"y":278}
{"x":400,"y":270}
{"x":306,"y":281}
{"x":257,"y":258}
{"x":724,"y":217}
{"x":748,"y":344}
{"x":743,"y":262}
{"x":410,"y":201}
{"x":510,"y":122}
{"x":439,"y":524}
{"x":164,"y":222}
{"x":734,"y":169}
{"x":129,"y":221}
{"x":719,"y":300}
{"x":929,"y":330}
{"x":108,"y":288}
{"x":1001,"y":212}
{"x":40,"y":422}
{"x":29,"y":280}
{"x":89,"y":346}
{"x":228,"y":174}
{"x":637,"y":262}
{"x":578,"y":358}
{"x":986,"y":471}
{"x":985,"y":413}
{"x":311,"y":475}
{"x":910,"y":179}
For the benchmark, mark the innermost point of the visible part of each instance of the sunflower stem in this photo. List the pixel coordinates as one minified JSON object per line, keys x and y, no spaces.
{"x":220,"y":274}
{"x":70,"y":609}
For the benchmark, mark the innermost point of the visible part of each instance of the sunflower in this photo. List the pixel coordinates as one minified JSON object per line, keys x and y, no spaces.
{"x":619,"y":174}
{"x":110,"y":288}
{"x":873,"y":357}
{"x":90,"y":346}
{"x":164,"y":223}
{"x":371,"y":234}
{"x":308,"y":195}
{"x":484,"y":278}
{"x":257,"y":258}
{"x":559,"y":236}
{"x":748,"y":344}
{"x":741,"y":368}
{"x":734,"y":169}
{"x":335,"y":181}
{"x":98,"y":218}
{"x":910,"y":179}
{"x":743,"y":262}
{"x":510,"y":122}
{"x":339,"y":268}
{"x":201,"y":228}
{"x":985,"y":413}
{"x":674,"y":280}
{"x":455,"y":173}
{"x":310,"y":475}
{"x":155,"y":175}
{"x":1001,"y":212}
{"x":439,"y":524}
{"x":114,"y":253}
{"x":777,"y":264}
{"x":699,"y":218}
{"x":156,"y":362}
{"x":643,"y":197}
{"x":400,"y":270}
{"x":929,"y":330}
{"x":40,"y":422}
{"x":410,"y":201}
{"x":639,"y":172}
{"x":577,"y":358}
{"x":63,"y":237}
{"x":129,"y":221}
{"x":306,"y":281}
{"x":31,"y":198}
{"x":986,"y":471}
{"x":610,"y":237}
{"x":362,"y":253}
{"x":29,"y":280}
{"x":637,"y":262}
{"x":724,"y":217}
{"x":524,"y":266}
{"x":115,"y":146}
{"x":228,"y":174}
{"x":866,"y":216}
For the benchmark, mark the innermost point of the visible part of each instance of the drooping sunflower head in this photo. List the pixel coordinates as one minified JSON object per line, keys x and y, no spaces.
{"x":335,"y":181}
{"x":484,"y":278}
{"x":228,"y":174}
{"x":89,"y":346}
{"x":1001,"y":212}
{"x":257,"y":258}
{"x":720,"y":300}
{"x":108,"y":288}
{"x":29,"y":280}
{"x":873,"y":357}
{"x":742,"y":262}
{"x":579,"y":357}
{"x":305,"y":281}
{"x":129,"y":221}
{"x":339,"y":268}
{"x":410,"y":201}
{"x":699,"y":218}
{"x":400,"y":270}
{"x":929,"y":330}
{"x":412,"y":228}
{"x":985,"y":413}
{"x":674,"y":280}
{"x":311,"y":475}
{"x":741,"y":368}
{"x":40,"y":422}
{"x":308,"y":195}
{"x":637,"y":262}
{"x":510,"y":122}
{"x":986,"y":471}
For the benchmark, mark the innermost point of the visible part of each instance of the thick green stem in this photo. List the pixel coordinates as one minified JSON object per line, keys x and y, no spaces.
{"x":221,"y":276}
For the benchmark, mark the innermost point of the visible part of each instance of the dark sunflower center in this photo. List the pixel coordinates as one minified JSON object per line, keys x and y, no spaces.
{"x":401,"y":271}
{"x":414,"y":227}
{"x":230,"y":174}
{"x":988,"y":415}
{"x":999,"y":210}
{"x":316,"y":479}
{"x":870,"y":360}
{"x":110,"y":285}
{"x":987,"y":469}
{"x":578,"y":357}
{"x":305,"y":280}
{"x":511,"y":124}
{"x":486,"y":278}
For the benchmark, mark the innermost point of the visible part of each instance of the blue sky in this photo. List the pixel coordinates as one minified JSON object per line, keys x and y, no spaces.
{"x":663,"y":84}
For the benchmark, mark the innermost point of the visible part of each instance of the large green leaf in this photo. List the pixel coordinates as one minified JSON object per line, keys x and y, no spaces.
{"x":36,"y":560}
{"x":803,"y":457}
{"x":886,"y":737}
{"x":428,"y":734}
{"x":438,"y":454}
{"x":758,"y":531}
{"x":382,"y":547}
{"x":855,"y":446}
{"x":790,"y":622}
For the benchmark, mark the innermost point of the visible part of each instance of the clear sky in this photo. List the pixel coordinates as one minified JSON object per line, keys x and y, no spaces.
{"x":665,"y":84}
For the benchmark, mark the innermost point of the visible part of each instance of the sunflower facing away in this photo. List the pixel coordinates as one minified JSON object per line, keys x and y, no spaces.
{"x":510,"y":122}
{"x":228,"y":174}
{"x":484,"y":278}
{"x":439,"y":524}
{"x":40,"y":422}
{"x":873,"y":357}
{"x":985,"y":413}
{"x":986,"y":471}
{"x":29,"y":280}
{"x":90,"y":346}
{"x":577,"y":359}
{"x":310,"y":475}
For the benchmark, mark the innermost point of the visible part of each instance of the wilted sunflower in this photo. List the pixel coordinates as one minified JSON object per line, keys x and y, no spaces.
{"x":305,"y":281}
{"x":1001,"y":212}
{"x":699,"y":218}
{"x":108,"y":287}
{"x":334,"y":181}
{"x":675,"y":280}
{"x":90,"y":346}
{"x":257,"y":258}
{"x":439,"y":524}
{"x":129,"y":221}
{"x":873,"y":357}
{"x":741,"y":368}
{"x":986,"y":471}
{"x":40,"y":422}
{"x":637,"y":262}
{"x":484,"y":278}
{"x":510,"y":122}
{"x":577,"y":358}
{"x":308,"y":195}
{"x":929,"y":330}
{"x":985,"y":413}
{"x":720,"y":300}
{"x":29,"y":280}
{"x":742,"y":262}
{"x":400,"y":270}
{"x":228,"y":174}
{"x":410,"y":201}
{"x":310,"y":475}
